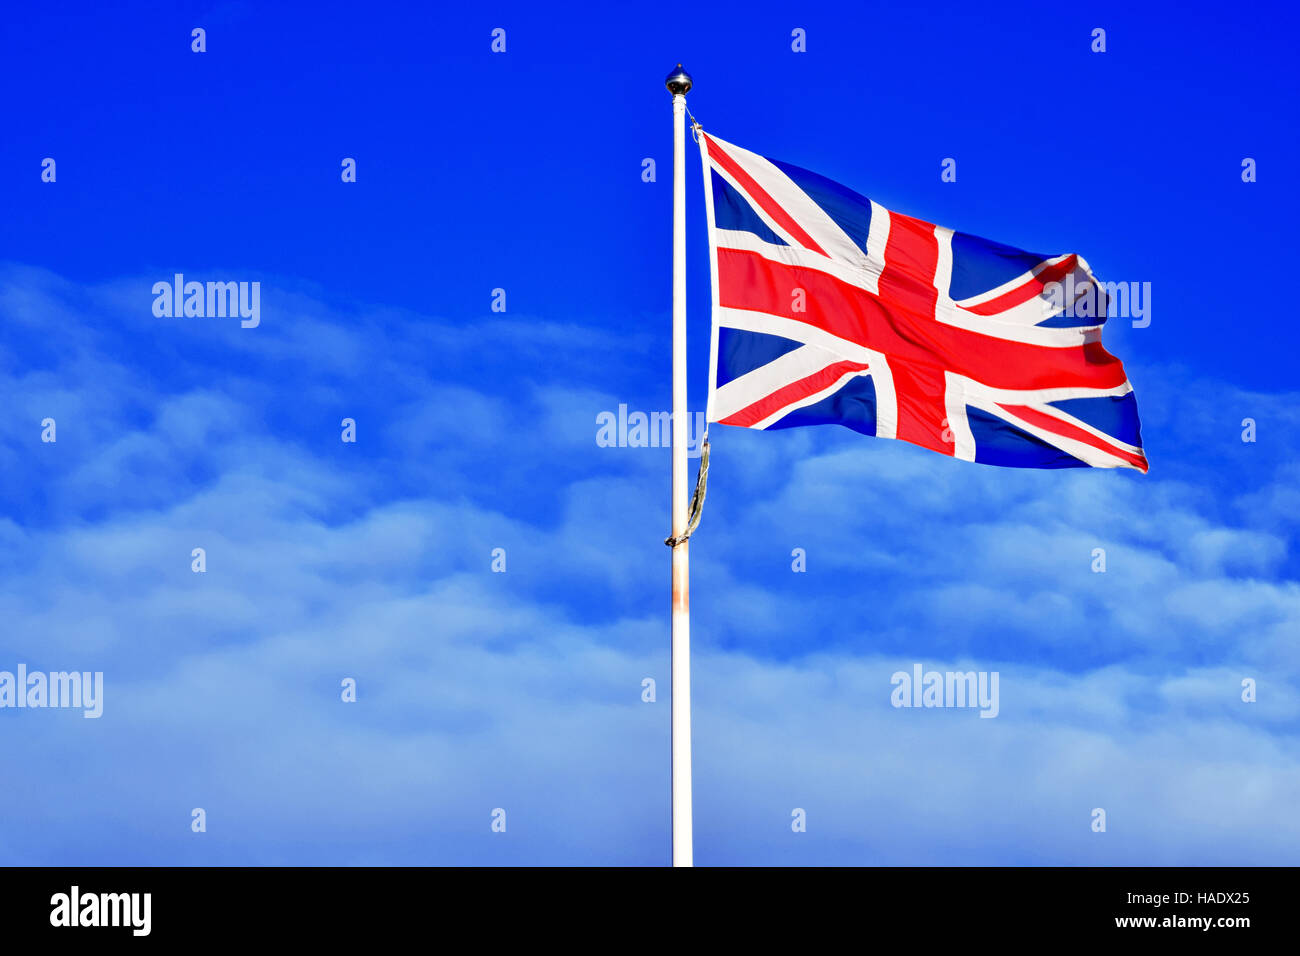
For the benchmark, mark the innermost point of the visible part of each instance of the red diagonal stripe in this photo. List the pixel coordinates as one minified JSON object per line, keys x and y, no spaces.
{"x":1027,"y":291}
{"x":1066,"y":430}
{"x":760,"y":196}
{"x":753,"y":414}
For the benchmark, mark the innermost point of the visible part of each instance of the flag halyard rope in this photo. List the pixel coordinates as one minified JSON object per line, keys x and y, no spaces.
{"x":697,"y":499}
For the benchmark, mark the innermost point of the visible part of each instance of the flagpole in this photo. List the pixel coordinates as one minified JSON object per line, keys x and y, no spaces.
{"x":679,"y":84}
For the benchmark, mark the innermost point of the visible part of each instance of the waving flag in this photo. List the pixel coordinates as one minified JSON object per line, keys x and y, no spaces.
{"x":830,"y":309}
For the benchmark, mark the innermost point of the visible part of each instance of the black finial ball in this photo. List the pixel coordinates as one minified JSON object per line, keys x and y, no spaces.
{"x":678,"y":82}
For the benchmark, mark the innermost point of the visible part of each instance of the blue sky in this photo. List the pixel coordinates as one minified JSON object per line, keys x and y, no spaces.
{"x":476,"y":430}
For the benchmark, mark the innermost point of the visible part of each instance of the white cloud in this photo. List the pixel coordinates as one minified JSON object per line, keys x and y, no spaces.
{"x":522,"y":689}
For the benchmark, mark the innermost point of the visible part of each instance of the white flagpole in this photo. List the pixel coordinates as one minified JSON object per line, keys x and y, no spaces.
{"x":679,"y":84}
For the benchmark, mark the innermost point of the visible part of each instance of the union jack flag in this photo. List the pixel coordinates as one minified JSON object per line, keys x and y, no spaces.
{"x":830,"y":309}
